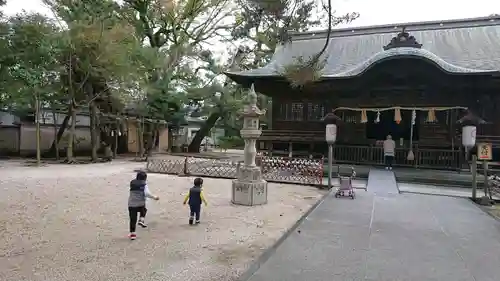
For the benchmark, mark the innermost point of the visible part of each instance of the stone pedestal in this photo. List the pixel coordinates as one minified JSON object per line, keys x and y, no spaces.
{"x":249,"y":189}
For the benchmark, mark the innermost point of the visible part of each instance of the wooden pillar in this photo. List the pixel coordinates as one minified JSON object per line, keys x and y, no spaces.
{"x":290,"y":150}
{"x":270,"y":148}
{"x":453,"y":129}
{"x":311,"y":150}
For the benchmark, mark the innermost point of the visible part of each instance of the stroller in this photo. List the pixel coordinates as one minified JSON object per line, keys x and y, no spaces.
{"x":346,"y":175}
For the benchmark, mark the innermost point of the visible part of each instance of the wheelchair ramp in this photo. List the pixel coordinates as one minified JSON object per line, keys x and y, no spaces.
{"x":382,"y":182}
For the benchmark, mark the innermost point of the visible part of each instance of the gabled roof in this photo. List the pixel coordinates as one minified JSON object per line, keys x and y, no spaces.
{"x":456,"y":46}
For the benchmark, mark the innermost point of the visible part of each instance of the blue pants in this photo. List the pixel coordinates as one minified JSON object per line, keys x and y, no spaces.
{"x":194,"y":211}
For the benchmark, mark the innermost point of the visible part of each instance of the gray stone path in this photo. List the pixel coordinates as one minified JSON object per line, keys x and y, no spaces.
{"x":385,"y":236}
{"x":382,"y":182}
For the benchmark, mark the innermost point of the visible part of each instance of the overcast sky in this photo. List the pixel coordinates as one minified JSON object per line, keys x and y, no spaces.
{"x":372,"y":11}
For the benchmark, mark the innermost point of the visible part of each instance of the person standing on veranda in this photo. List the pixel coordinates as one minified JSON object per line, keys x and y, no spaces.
{"x":389,"y":150}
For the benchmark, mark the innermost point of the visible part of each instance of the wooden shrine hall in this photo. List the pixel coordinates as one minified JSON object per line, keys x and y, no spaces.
{"x":412,"y":81}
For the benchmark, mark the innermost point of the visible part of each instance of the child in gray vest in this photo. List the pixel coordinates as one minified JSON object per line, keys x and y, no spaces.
{"x":139,"y":191}
{"x":195,"y":198}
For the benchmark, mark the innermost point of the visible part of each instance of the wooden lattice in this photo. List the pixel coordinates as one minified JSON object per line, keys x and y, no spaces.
{"x":218,"y":168}
{"x":274,"y":169}
{"x":494,"y":186}
{"x":166,"y":166}
{"x":294,"y":170}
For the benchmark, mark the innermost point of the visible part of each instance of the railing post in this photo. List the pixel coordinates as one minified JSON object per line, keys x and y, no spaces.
{"x":330,"y":156}
{"x":258,"y":160}
{"x":185,"y":170}
{"x":321,"y":169}
{"x":417,"y":156}
{"x":474,"y":177}
{"x":460,"y":158}
{"x":485,"y":172}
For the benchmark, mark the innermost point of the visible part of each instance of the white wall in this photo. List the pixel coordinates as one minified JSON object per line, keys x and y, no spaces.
{"x":28,"y":138}
{"x":9,"y":140}
{"x":8,"y":119}
{"x":47,"y":118}
{"x":189,"y":131}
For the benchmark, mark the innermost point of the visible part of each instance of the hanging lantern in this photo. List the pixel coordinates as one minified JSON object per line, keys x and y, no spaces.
{"x":331,"y":133}
{"x":431,"y":115}
{"x":377,"y":120}
{"x":397,"y":115}
{"x":469,"y":136}
{"x":364,"y":118}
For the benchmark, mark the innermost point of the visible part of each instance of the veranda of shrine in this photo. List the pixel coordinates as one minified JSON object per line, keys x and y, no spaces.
{"x":379,"y":81}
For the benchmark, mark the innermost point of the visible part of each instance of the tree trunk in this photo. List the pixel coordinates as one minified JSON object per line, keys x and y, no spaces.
{"x":71,"y":136}
{"x":140,"y":139}
{"x":151,"y":138}
{"x":194,"y":146}
{"x":56,"y":141}
{"x":152,"y":129}
{"x":93,"y":131}
{"x":60,"y":133}
{"x":37,"y":121}
{"x":117,"y":134}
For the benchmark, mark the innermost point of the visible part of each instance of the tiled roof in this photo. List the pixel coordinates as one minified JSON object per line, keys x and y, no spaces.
{"x":458,"y":46}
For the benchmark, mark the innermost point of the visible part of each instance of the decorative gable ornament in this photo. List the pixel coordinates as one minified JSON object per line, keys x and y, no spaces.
{"x":403,"y":39}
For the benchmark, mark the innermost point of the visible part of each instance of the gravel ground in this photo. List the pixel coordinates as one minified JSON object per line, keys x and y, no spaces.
{"x":69,"y":222}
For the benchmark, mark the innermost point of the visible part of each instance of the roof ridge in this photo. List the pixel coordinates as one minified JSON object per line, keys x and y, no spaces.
{"x":396,"y":27}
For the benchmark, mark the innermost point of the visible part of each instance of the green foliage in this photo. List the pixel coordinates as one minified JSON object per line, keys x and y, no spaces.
{"x":149,"y":58}
{"x":29,"y":60}
{"x":263,"y":25}
{"x":268,"y":22}
{"x":307,"y":70}
{"x":302,"y":71}
{"x":103,"y":60}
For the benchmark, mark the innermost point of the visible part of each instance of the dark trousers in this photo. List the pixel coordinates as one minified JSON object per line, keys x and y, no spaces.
{"x":388,"y":160}
{"x":132,"y":214}
{"x":194,"y":211}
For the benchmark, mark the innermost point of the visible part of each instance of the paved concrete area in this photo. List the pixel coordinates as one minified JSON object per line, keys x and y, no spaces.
{"x":382,"y":182}
{"x":382,"y":235}
{"x":439,"y":190}
{"x":422,"y":176}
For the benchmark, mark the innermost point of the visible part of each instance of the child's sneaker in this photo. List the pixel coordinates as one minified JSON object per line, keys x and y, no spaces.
{"x":198,"y":222}
{"x":142,"y":223}
{"x":191,"y":220}
{"x":132,"y":236}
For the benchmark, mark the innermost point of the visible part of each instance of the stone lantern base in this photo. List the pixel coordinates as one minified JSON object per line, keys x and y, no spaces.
{"x":249,"y":189}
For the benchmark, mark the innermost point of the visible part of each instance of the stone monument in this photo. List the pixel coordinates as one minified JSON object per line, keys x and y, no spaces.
{"x":249,"y":188}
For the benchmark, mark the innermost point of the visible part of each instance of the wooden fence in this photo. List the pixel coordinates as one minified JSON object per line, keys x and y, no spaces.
{"x":374,"y":155}
{"x":274,"y":169}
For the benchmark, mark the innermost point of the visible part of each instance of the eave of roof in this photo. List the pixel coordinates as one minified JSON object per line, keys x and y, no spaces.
{"x":465,"y":46}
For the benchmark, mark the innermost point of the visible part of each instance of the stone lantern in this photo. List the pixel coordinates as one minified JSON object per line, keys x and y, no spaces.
{"x":469,"y":125}
{"x":249,"y":188}
{"x":331,"y":121}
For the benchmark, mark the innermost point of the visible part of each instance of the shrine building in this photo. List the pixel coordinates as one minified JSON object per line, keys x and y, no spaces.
{"x":412,"y":81}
